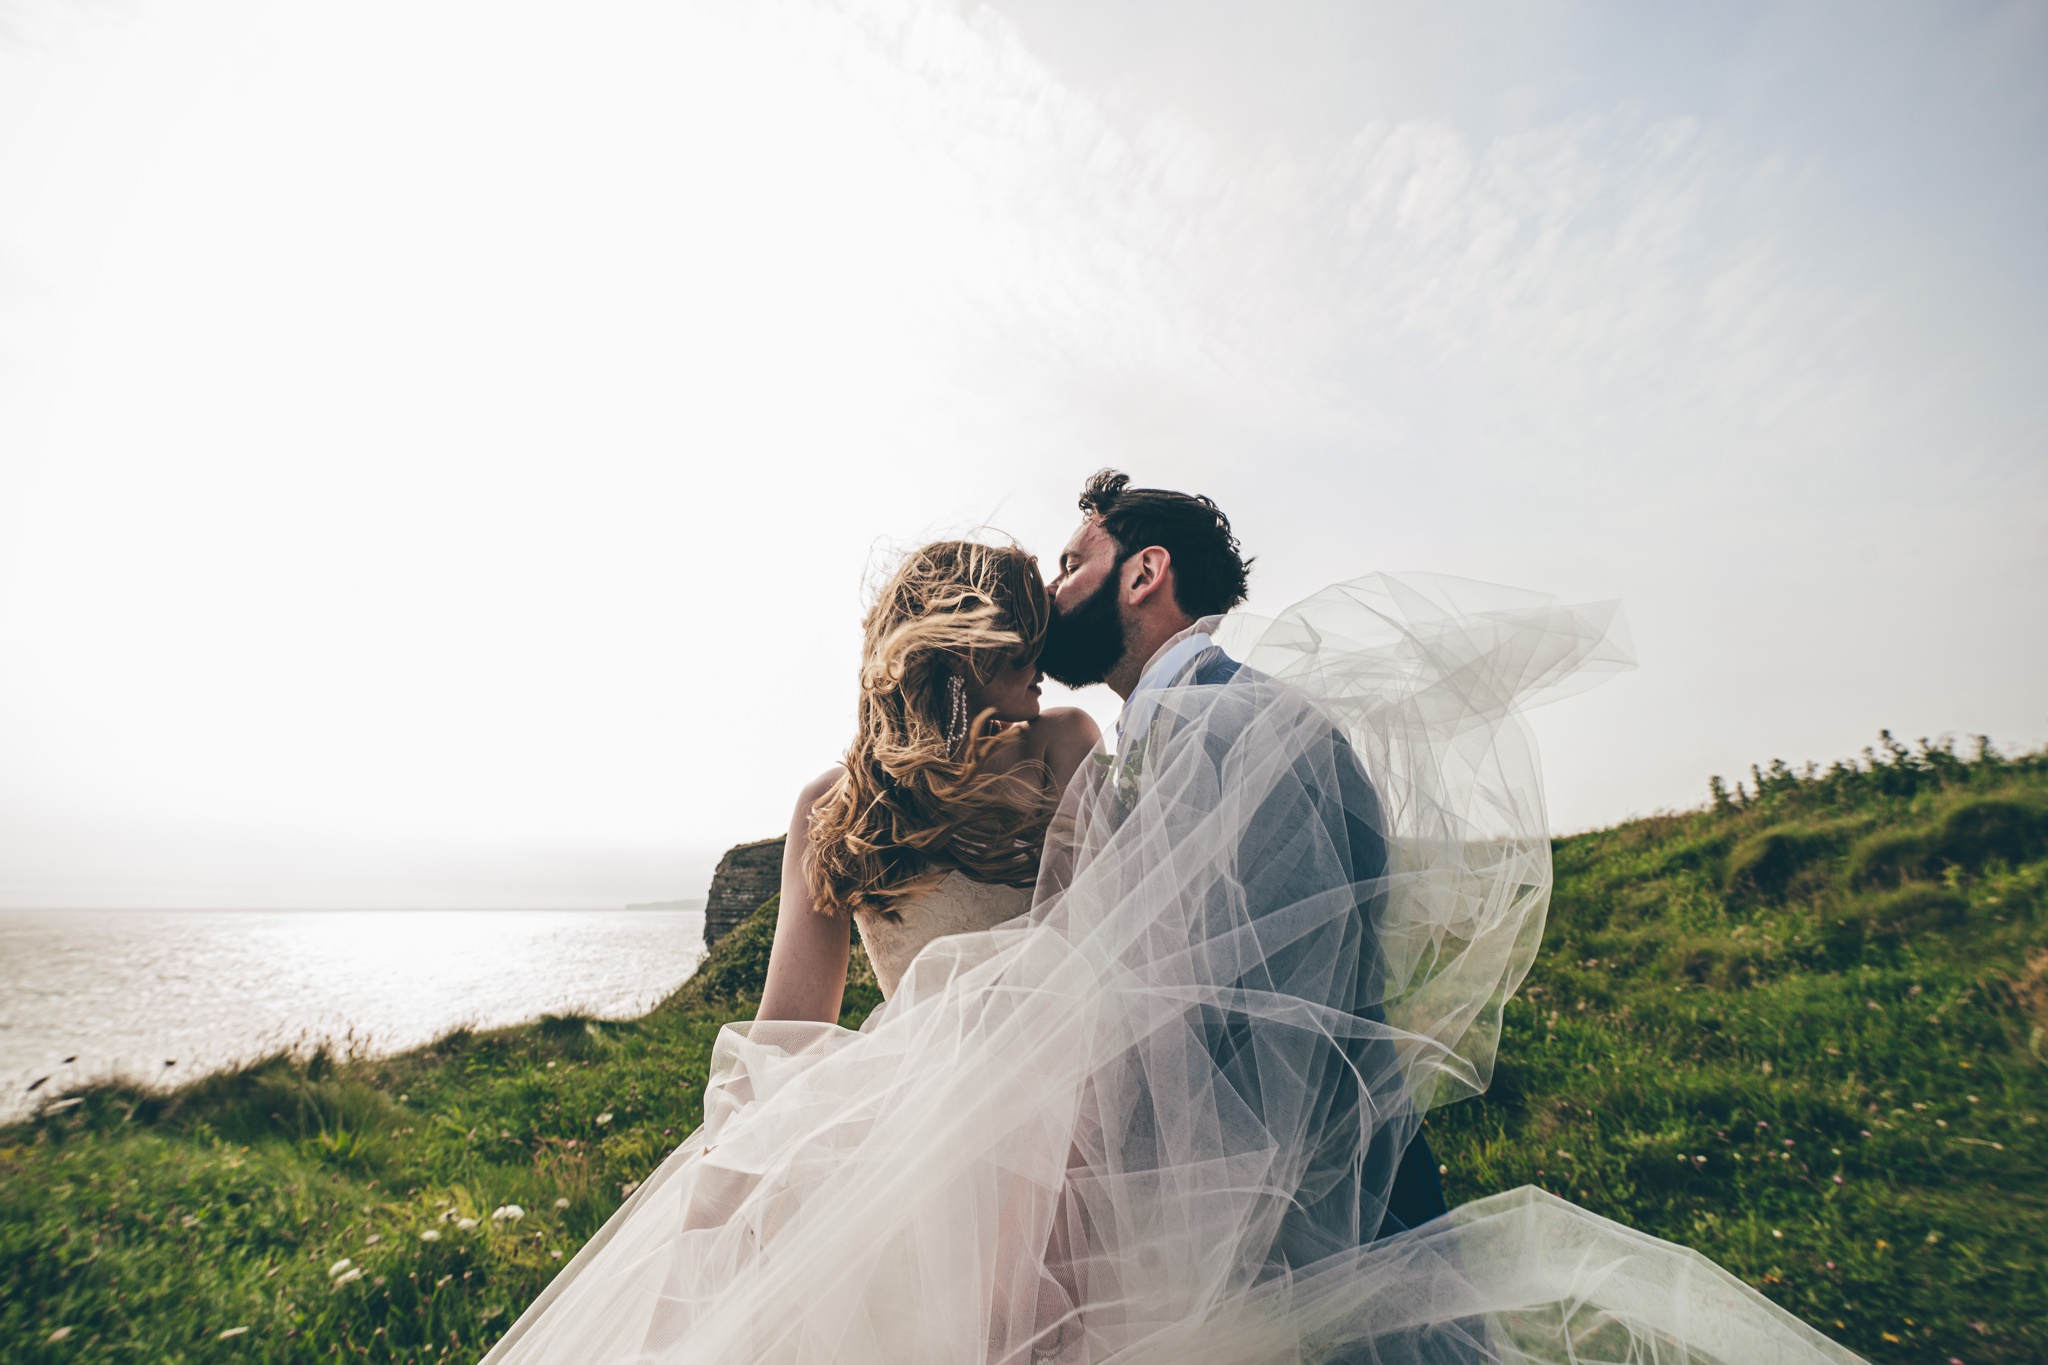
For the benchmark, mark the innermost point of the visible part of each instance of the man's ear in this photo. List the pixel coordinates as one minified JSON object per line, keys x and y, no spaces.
{"x":1145,"y":573}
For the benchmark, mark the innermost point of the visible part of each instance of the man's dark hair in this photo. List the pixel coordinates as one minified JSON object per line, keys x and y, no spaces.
{"x":1209,"y":567}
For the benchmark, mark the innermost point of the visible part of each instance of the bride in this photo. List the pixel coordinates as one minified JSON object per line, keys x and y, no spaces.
{"x":1159,"y":1021}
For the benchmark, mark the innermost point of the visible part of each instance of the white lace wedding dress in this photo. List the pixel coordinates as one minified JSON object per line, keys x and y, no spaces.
{"x":1145,"y":1121}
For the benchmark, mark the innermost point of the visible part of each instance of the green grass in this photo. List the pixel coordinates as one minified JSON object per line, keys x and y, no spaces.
{"x":1804,"y":1030}
{"x":148,"y":1224}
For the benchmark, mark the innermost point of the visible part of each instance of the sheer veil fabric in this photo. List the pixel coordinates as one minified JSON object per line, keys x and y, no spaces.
{"x":1157,"y":1119}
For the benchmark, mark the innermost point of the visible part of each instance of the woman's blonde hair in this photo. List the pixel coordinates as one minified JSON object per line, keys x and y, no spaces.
{"x":916,"y":803}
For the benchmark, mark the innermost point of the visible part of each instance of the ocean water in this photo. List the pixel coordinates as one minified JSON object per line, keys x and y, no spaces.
{"x":168,"y":995}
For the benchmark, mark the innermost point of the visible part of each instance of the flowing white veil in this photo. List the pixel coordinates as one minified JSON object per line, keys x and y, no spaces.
{"x":1159,"y":1118}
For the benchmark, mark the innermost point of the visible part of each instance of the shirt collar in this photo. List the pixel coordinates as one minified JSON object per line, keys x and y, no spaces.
{"x":1163,"y":672}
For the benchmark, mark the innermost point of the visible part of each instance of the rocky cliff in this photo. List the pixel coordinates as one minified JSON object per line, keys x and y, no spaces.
{"x":746,"y":876}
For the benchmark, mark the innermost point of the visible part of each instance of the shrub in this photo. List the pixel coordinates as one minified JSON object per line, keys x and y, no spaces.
{"x":1888,"y":858}
{"x":1975,"y":832}
{"x":1725,"y":963}
{"x":1908,"y":910}
{"x":1765,"y":864}
{"x":1695,"y":855}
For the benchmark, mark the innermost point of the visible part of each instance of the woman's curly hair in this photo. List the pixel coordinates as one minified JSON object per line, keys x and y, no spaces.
{"x":913,"y":807}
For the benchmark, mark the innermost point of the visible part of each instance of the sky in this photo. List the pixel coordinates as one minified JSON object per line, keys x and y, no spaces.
{"x":444,"y":447}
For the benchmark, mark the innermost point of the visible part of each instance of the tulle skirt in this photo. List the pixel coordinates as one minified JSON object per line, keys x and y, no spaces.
{"x":1157,"y":1119}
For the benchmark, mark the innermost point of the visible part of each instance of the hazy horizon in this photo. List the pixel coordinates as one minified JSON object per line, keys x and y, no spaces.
{"x":442,"y":448}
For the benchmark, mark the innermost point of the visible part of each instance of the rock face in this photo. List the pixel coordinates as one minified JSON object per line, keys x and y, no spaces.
{"x":746,"y":876}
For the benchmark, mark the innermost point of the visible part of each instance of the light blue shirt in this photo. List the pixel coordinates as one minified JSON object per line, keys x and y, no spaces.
{"x":1163,"y":672}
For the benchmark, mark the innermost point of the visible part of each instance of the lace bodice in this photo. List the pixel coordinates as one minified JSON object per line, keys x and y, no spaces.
{"x":958,"y":905}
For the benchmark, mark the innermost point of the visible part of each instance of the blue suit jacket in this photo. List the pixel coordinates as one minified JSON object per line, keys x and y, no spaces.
{"x":1330,"y":1210}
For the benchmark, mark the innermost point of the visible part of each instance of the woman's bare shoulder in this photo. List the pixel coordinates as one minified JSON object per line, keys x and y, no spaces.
{"x":1063,"y":737}
{"x":814,"y":791}
{"x":1069,"y":724}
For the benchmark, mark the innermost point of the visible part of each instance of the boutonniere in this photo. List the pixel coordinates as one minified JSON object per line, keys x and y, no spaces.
{"x":1128,"y":768}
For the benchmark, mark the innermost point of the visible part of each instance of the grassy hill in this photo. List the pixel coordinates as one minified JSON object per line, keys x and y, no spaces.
{"x":1804,"y":1030}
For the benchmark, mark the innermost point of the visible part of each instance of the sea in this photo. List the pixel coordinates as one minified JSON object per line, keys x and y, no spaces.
{"x":168,"y":995}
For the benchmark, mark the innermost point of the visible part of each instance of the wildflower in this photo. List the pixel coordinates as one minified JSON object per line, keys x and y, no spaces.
{"x":1831,"y":1265}
{"x":1776,"y":1233}
{"x":555,"y":1255}
{"x":551,"y":1066}
{"x":189,"y":1221}
{"x":61,"y":1334}
{"x":1941,"y":1123}
{"x":604,"y":1118}
{"x":231,"y":1333}
{"x":1788,"y":1142}
{"x":1838,"y":1179}
{"x":349,"y":1276}
{"x":1971,"y":1098}
{"x":507,"y":1213}
{"x":1761,"y":1124}
{"x":465,"y":1225}
{"x":626,"y":1190}
{"x":373,"y":1239}
{"x":430,"y":1235}
{"x":561,"y":1203}
{"x":403,"y":1098}
{"x":1866,"y":1132}
{"x":338,"y":1267}
{"x":1443,"y":1170}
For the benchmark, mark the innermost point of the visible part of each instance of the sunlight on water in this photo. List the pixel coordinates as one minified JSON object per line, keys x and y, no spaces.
{"x":127,"y":991}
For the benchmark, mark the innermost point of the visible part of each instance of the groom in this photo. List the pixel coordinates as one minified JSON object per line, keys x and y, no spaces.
{"x":1145,"y":567}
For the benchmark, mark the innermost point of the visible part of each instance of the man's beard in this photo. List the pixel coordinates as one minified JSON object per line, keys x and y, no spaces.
{"x":1083,"y":645}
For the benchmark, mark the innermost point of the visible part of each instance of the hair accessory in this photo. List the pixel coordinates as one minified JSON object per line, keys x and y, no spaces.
{"x":956,"y":719}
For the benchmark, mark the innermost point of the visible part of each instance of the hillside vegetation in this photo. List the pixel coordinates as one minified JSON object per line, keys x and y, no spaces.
{"x":1804,"y":1030}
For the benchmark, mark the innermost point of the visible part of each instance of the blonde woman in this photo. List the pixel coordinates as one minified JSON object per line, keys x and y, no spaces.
{"x":934,"y":823}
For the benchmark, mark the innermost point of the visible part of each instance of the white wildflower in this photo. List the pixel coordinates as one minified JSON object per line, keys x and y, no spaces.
{"x":626,"y":1190}
{"x":61,"y":1334}
{"x":507,"y":1213}
{"x":604,"y":1118}
{"x":561,"y":1203}
{"x":338,"y":1267}
{"x":430,"y":1235}
{"x":349,"y":1276}
{"x":231,"y":1333}
{"x":465,"y":1225}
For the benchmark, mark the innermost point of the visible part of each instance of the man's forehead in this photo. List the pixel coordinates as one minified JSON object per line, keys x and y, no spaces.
{"x":1087,"y":537}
